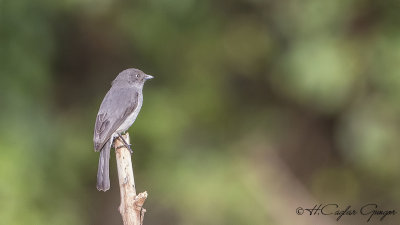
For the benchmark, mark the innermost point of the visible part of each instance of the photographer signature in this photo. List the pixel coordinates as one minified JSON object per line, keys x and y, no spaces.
{"x":369,"y":210}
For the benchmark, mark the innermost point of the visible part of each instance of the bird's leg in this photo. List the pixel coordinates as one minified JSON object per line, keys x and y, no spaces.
{"x":126,"y":144}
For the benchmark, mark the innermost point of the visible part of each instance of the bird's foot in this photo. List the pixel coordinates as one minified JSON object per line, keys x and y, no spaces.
{"x":126,"y":145}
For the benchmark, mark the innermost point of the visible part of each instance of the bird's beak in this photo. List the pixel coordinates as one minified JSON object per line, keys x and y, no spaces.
{"x":148,"y":77}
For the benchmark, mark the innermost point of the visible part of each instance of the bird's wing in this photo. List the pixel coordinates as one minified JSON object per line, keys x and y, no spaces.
{"x":117,"y":105}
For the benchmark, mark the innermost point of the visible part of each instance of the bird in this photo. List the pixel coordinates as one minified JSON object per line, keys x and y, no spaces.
{"x":117,"y":112}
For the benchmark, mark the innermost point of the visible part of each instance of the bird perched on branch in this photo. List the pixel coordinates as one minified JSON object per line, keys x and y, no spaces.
{"x":117,"y":112}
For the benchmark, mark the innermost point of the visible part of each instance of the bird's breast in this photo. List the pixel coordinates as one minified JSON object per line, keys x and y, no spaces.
{"x":132,"y":117}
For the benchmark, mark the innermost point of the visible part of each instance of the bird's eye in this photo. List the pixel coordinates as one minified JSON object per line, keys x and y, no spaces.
{"x":137,"y":75}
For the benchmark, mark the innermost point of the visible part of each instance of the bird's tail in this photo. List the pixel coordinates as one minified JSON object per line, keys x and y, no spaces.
{"x":103,"y":178}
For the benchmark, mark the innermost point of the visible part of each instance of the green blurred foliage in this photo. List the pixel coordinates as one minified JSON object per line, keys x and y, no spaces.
{"x":314,"y":81}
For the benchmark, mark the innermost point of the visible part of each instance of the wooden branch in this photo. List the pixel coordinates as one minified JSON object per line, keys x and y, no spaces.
{"x":131,"y":207}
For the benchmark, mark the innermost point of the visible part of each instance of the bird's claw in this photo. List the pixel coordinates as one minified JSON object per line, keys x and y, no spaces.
{"x":126,"y":145}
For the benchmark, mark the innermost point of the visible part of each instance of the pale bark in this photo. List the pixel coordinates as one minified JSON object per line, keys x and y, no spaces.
{"x":131,"y":207}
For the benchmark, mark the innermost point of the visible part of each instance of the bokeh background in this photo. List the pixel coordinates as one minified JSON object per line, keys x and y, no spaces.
{"x":257,"y":108}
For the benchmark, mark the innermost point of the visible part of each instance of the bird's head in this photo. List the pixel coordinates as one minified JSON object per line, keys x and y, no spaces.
{"x":132,"y":76}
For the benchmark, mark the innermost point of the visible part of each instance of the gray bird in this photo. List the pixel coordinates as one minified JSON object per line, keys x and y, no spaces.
{"x":117,"y":112}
